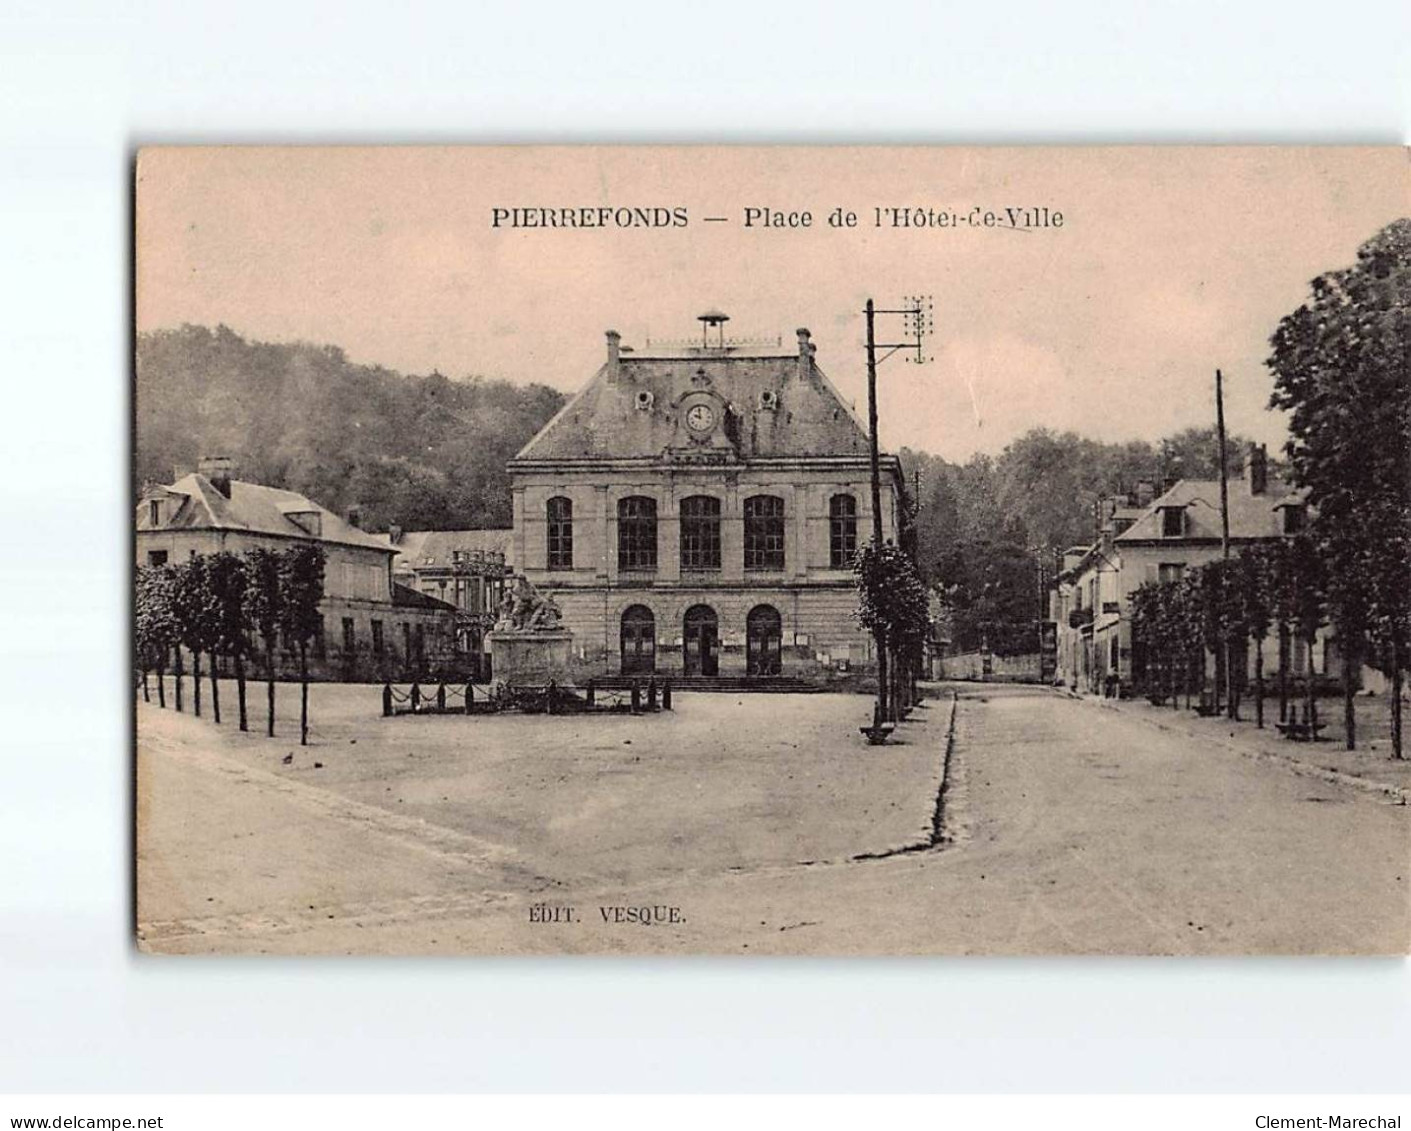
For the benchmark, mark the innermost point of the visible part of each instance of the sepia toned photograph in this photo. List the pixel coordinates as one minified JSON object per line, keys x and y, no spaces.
{"x":771,"y":550}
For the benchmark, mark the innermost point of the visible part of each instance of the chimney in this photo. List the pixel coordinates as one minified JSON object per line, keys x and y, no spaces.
{"x":1146,"y":491}
{"x":353,"y":516}
{"x":394,"y":535}
{"x":614,"y":356}
{"x":1256,"y":469}
{"x":805,"y":354}
{"x":220,"y":470}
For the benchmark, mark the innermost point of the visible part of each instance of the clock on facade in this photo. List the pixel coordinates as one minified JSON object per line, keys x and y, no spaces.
{"x":700,"y":418}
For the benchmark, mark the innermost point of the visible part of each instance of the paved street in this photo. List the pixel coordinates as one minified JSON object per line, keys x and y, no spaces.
{"x":1077,"y":830}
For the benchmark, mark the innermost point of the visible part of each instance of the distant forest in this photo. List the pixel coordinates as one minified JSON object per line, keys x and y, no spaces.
{"x":429,"y":453}
{"x":423,"y":453}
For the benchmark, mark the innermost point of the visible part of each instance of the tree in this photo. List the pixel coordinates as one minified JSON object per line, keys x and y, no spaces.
{"x":198,"y":624}
{"x":227,"y":577}
{"x":1255,"y":581}
{"x":264,"y":613}
{"x":1342,"y":370}
{"x":893,"y":603}
{"x":301,"y":587}
{"x":154,"y":623}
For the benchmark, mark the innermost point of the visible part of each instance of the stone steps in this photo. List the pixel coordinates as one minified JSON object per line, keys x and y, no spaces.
{"x":754,"y":683}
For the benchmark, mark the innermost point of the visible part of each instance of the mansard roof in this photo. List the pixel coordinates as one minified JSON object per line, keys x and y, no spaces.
{"x":609,"y":419}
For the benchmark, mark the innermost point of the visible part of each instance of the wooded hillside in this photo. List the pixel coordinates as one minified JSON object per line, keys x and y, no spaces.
{"x":421,"y":452}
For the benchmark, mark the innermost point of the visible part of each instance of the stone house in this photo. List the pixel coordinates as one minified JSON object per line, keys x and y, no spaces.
{"x":695,"y":508}
{"x":1157,"y":542}
{"x":372,"y":628}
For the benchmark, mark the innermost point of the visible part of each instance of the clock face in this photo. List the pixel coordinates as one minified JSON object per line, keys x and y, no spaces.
{"x":700,"y":418}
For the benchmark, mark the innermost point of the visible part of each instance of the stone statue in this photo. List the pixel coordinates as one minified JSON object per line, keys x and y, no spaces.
{"x":525,"y":609}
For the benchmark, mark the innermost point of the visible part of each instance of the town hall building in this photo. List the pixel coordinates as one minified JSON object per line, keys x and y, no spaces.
{"x":695,"y":508}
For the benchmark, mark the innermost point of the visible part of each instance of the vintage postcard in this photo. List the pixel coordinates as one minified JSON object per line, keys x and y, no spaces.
{"x":770,"y":550}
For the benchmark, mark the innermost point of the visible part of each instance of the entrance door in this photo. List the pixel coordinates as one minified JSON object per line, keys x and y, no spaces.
{"x":702,"y":641}
{"x":639,"y":640}
{"x":763,"y":636}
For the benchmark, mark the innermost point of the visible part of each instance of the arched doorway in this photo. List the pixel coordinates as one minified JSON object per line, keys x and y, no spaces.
{"x":639,"y":640}
{"x":763,"y":637}
{"x":702,"y":641}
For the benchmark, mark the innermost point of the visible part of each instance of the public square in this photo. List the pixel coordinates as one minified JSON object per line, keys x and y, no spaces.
{"x":751,"y":824}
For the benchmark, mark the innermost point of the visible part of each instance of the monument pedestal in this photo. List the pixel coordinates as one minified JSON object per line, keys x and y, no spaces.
{"x":523,"y":658}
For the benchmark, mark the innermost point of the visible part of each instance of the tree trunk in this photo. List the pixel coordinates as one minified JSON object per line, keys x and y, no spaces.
{"x":303,"y":694}
{"x":1283,"y":672}
{"x":883,"y":711}
{"x":1396,"y":662}
{"x":161,"y":677}
{"x":177,"y":669}
{"x":1310,"y":711}
{"x":196,"y":683}
{"x":1259,"y":682}
{"x":269,"y":676}
{"x":240,"y":688}
{"x":215,"y":688}
{"x":1351,"y":666}
{"x":146,"y":695}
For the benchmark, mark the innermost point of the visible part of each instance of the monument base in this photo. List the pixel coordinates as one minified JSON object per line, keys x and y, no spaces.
{"x":530,"y":659}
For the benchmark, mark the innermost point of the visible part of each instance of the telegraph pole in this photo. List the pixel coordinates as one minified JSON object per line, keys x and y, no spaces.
{"x":1230,"y":706}
{"x":917,"y":315}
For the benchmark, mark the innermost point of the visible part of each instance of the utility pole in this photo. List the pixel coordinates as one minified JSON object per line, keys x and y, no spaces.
{"x":917,"y":314}
{"x":1230,"y":705}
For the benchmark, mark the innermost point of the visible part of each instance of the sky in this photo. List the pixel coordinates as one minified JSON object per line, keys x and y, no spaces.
{"x":1168,"y":263}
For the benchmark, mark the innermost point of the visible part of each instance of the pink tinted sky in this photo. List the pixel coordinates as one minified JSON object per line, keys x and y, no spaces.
{"x":1170,"y":262}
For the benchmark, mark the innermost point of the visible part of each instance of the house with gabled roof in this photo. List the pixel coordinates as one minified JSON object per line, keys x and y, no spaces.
{"x":372,"y":627}
{"x":695,"y":507}
{"x":1157,"y":542}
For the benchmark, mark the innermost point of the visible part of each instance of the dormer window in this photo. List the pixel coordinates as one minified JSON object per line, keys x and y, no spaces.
{"x":1295,"y":518}
{"x":310,"y":522}
{"x":154,"y":512}
{"x":1173,"y":522}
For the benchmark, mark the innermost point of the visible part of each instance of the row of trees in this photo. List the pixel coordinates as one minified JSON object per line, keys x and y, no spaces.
{"x":216,"y":605}
{"x":1269,"y":590}
{"x":1342,"y":371}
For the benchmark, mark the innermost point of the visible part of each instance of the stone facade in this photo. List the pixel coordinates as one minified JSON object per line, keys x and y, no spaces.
{"x":693,"y":510}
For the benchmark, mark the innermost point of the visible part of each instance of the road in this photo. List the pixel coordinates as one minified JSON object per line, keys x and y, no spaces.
{"x":1077,"y":831}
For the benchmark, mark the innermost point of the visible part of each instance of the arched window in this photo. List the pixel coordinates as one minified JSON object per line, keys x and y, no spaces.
{"x":700,"y":532}
{"x":559,"y":512}
{"x":637,"y":533}
{"x":764,"y":532}
{"x":842,"y":531}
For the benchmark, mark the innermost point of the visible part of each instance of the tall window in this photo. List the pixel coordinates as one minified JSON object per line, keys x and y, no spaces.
{"x":637,"y":533}
{"x":377,"y":638}
{"x":842,"y":531}
{"x":700,"y":532}
{"x":764,"y":532}
{"x":560,"y":515}
{"x":154,"y":512}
